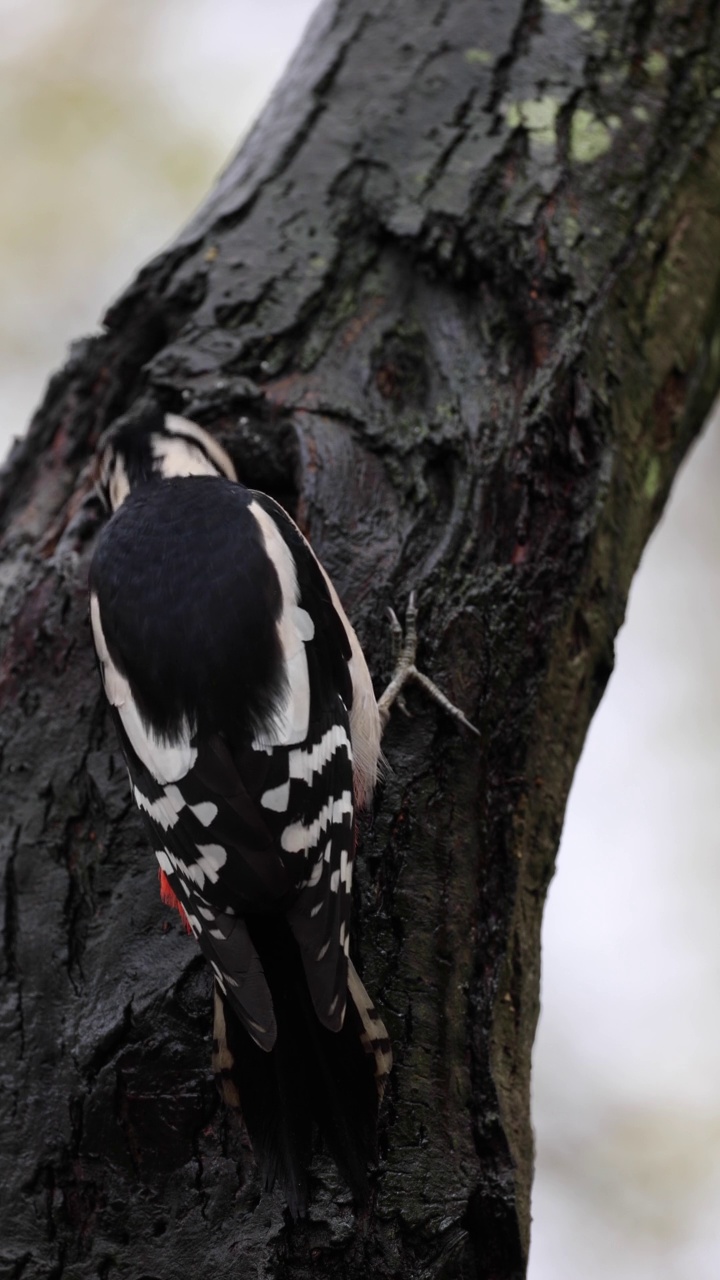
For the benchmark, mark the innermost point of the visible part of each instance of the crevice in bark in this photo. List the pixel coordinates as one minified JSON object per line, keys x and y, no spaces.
{"x":11,"y":913}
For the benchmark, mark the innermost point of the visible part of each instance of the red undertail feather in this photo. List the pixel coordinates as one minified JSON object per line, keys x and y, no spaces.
{"x":169,"y":898}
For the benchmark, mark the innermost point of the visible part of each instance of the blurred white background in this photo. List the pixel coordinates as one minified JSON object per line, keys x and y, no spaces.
{"x":113,"y":121}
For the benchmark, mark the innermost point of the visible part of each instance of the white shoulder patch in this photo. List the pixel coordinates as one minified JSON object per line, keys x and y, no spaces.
{"x":295,"y":626}
{"x":166,"y":761}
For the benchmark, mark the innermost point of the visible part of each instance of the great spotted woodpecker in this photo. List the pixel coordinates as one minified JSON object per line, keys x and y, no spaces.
{"x":247,"y":718}
{"x":251,"y":733}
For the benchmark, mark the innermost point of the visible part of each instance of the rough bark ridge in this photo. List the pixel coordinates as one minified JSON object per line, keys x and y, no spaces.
{"x":454,"y":304}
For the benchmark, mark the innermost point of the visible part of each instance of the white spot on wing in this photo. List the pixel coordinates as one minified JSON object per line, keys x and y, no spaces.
{"x":298,"y":837}
{"x":212,"y":858}
{"x":277,"y":798}
{"x":165,"y":809}
{"x":205,"y":812}
{"x":304,"y":764}
{"x":346,"y":869}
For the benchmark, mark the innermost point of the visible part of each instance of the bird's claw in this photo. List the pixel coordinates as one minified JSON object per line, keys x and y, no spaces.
{"x":404,"y":651}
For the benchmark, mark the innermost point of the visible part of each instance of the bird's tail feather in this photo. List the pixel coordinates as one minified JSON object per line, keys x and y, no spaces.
{"x":311,"y":1076}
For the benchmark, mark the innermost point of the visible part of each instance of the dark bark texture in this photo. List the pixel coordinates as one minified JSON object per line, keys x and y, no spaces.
{"x":455,"y":304}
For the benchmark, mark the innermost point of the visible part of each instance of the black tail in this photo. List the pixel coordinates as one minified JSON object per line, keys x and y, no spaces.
{"x":312,"y":1076}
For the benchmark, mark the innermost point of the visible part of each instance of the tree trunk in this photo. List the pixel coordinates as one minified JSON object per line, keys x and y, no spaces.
{"x":454,"y":305}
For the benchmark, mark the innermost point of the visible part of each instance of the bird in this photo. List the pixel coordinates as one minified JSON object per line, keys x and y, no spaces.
{"x":246,"y":714}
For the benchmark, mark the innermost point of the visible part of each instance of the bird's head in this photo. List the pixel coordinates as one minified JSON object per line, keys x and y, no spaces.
{"x":156,"y":446}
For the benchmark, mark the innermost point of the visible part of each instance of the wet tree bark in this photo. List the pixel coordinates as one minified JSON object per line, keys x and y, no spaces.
{"x":454,"y":303}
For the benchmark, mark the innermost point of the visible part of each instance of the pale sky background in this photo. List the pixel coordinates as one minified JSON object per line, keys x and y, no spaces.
{"x":113,"y":121}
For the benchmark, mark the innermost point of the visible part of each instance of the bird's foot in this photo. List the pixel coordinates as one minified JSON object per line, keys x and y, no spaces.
{"x":404,"y":652}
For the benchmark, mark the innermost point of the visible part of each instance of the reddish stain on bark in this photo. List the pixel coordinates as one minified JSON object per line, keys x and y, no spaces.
{"x":295,"y":390}
{"x":365,"y":316}
{"x":668,"y":406}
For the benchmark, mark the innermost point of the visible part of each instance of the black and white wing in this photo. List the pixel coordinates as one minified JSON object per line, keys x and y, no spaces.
{"x":235,"y":720}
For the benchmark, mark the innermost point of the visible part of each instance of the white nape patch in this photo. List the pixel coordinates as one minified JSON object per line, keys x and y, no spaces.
{"x":304,"y":764}
{"x":175,"y":456}
{"x":206,"y":812}
{"x":295,"y":626}
{"x":178,"y":426}
{"x":212,"y":858}
{"x":165,"y":809}
{"x":166,"y":761}
{"x":297,"y":837}
{"x":277,"y":798}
